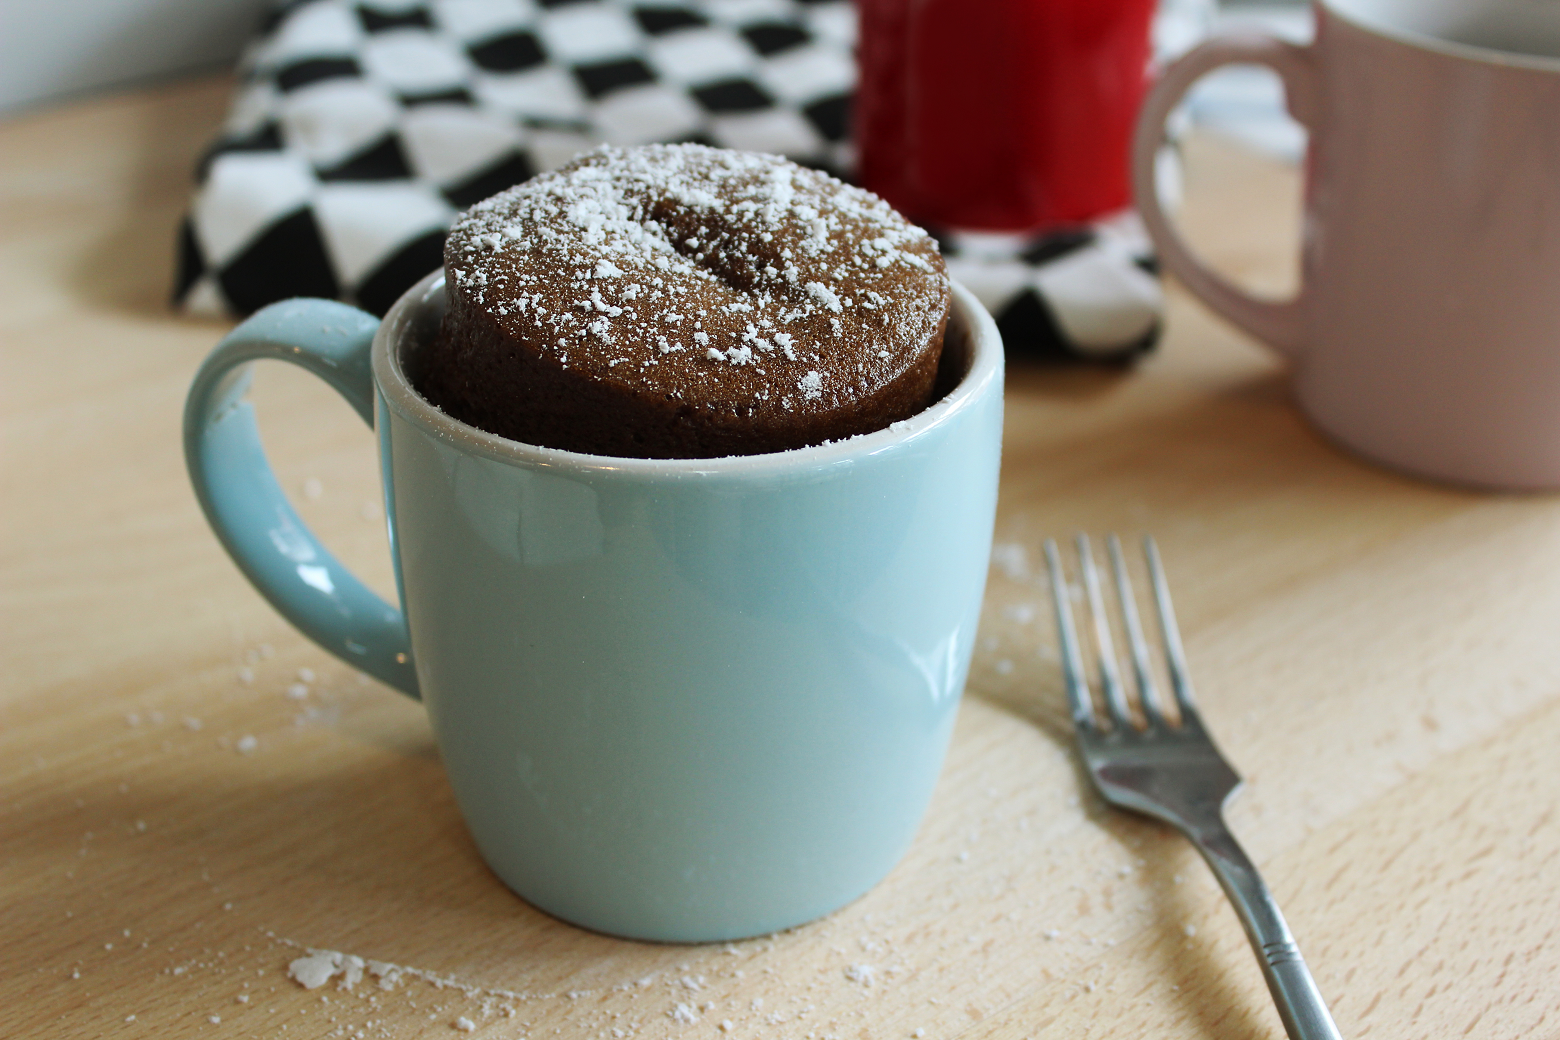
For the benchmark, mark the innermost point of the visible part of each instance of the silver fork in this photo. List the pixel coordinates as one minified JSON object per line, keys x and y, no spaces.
{"x":1168,"y":767}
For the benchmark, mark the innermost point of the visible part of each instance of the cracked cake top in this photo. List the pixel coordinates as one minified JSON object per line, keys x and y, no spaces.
{"x":685,"y":301}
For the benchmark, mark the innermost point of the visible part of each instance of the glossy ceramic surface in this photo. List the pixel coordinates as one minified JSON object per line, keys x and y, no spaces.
{"x":247,"y":509}
{"x":1019,"y":119}
{"x":1427,"y":331}
{"x":681,"y":700}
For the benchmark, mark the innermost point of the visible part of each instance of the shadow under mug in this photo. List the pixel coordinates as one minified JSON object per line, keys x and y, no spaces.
{"x":1426,"y":333}
{"x":677,"y":699}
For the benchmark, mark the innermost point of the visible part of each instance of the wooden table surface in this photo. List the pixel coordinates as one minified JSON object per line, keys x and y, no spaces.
{"x":1379,"y":656}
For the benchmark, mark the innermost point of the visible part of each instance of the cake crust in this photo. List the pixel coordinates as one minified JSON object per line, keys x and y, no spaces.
{"x":679,"y":301}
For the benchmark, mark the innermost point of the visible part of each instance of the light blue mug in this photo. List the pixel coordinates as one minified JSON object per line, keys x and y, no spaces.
{"x":678,"y":699}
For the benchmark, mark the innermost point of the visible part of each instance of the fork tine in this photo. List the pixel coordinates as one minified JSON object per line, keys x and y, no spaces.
{"x":1175,"y":657}
{"x":1110,"y":676}
{"x":1147,"y":691}
{"x":1072,"y":664}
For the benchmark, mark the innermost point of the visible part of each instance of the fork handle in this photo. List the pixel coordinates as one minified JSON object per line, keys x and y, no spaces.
{"x":1300,"y":1003}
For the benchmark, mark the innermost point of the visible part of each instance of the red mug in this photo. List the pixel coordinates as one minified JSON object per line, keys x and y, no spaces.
{"x":1003,"y":115}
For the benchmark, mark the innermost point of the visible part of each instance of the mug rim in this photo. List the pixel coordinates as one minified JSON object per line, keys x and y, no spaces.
{"x":1472,"y":52}
{"x":986,"y":365}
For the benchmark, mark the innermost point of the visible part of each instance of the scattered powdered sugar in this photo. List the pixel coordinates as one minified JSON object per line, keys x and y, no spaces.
{"x":1012,"y":558}
{"x":699,"y":992}
{"x":787,"y":276}
{"x":824,"y":295}
{"x":868,"y":966}
{"x":320,"y":966}
{"x":861,"y":974}
{"x":1022,"y":613}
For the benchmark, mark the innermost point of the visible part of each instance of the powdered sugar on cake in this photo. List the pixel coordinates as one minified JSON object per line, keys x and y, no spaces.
{"x":753,"y":278}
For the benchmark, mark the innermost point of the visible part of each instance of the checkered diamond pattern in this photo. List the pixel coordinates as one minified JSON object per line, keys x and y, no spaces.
{"x":360,"y":128}
{"x":1087,"y":293}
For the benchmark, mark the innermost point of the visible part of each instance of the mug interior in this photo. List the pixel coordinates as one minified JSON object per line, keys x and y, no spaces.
{"x":972,"y":354}
{"x":1494,"y":29}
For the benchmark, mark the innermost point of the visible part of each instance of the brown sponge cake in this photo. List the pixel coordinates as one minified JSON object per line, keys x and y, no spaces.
{"x":678,"y":301}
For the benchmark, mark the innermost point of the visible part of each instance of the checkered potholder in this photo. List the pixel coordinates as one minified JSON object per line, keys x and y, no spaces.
{"x":359,"y":129}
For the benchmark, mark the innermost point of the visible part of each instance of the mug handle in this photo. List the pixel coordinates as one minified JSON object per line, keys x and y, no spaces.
{"x":246,"y":507}
{"x":1279,"y":324}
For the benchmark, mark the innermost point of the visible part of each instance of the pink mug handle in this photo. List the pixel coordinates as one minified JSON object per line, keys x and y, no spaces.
{"x":1279,"y":324}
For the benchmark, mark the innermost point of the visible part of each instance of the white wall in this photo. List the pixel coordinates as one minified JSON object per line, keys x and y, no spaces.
{"x":55,"y":48}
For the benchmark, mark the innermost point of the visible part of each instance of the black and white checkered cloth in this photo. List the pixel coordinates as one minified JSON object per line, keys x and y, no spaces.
{"x":360,"y":129}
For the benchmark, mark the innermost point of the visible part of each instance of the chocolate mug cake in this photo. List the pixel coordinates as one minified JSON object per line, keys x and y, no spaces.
{"x":680,"y":301}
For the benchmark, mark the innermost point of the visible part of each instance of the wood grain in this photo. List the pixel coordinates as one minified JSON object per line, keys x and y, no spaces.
{"x":1379,"y":656}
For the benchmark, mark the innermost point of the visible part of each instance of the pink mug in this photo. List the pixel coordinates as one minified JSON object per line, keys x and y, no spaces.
{"x":1426,"y":332}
